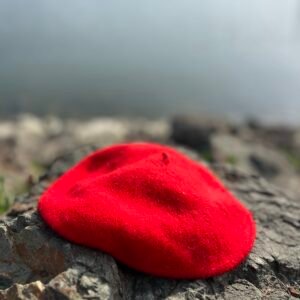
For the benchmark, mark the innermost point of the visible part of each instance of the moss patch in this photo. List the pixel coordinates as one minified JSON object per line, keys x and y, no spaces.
{"x":5,"y":198}
{"x":232,"y":160}
{"x":207,"y":155}
{"x":37,"y":168}
{"x":294,"y":159}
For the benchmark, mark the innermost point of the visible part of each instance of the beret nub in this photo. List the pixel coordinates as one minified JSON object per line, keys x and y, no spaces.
{"x":153,"y":209}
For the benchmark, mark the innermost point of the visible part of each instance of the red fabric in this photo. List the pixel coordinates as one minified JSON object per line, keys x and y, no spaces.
{"x":153,"y":209}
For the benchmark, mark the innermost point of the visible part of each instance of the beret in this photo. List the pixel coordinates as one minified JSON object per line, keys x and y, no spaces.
{"x":153,"y":209}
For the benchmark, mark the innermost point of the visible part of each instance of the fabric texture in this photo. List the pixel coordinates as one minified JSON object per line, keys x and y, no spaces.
{"x":153,"y":209}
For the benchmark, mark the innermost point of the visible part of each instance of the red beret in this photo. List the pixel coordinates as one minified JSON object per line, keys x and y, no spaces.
{"x":153,"y":209}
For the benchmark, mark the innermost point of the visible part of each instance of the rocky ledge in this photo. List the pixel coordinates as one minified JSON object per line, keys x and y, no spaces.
{"x":37,"y":264}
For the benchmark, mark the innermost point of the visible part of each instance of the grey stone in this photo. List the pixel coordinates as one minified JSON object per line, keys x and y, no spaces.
{"x":196,"y":131}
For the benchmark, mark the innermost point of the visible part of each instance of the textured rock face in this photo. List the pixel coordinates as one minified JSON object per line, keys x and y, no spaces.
{"x":256,"y":158}
{"x":37,"y":264}
{"x":271,"y":151}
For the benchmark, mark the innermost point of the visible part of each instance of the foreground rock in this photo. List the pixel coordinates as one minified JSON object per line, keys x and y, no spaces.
{"x":37,"y":264}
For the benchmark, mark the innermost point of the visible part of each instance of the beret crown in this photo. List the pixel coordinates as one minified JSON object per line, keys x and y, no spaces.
{"x":153,"y":209}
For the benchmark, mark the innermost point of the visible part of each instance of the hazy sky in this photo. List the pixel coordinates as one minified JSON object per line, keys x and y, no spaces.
{"x":153,"y":57}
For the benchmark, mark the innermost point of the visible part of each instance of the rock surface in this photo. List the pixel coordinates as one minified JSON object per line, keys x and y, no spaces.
{"x":37,"y":264}
{"x":22,"y":139}
{"x":271,"y":151}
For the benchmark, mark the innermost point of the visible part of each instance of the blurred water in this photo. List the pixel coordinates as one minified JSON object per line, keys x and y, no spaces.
{"x":152,"y":57}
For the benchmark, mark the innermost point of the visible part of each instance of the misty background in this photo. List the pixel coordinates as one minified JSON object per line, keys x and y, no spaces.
{"x":151,"y":58}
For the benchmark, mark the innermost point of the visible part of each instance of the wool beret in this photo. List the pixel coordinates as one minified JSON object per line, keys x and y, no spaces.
{"x":152,"y":209}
